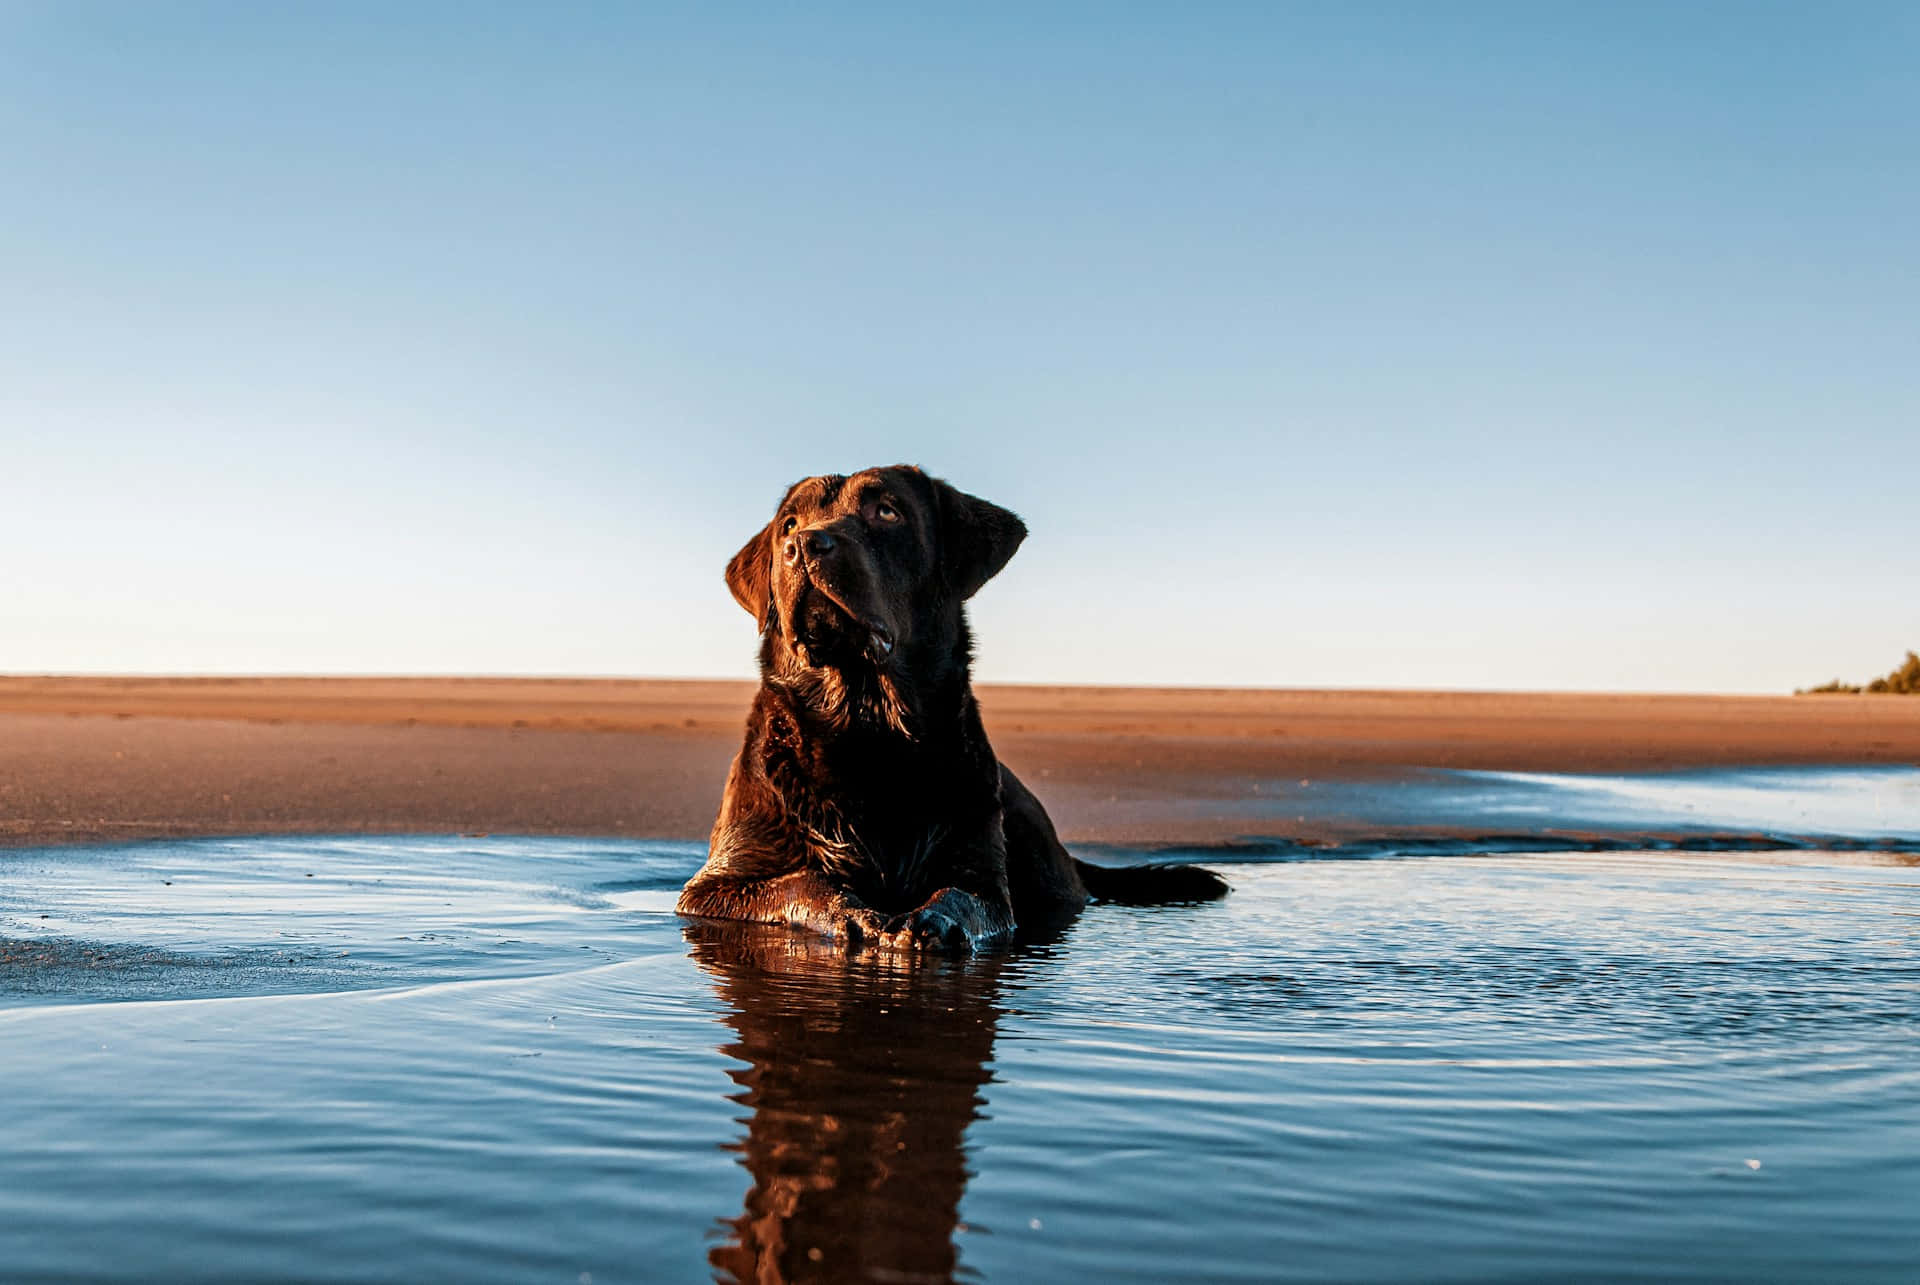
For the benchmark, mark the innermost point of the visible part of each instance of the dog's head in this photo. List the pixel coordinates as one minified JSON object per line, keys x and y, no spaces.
{"x":869,"y":571}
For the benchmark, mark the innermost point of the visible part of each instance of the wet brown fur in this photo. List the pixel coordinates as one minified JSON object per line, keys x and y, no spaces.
{"x":866,"y":803}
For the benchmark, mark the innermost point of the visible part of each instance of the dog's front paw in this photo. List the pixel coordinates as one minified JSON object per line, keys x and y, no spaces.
{"x":849,"y":926}
{"x":951,"y":921}
{"x":857,"y":926}
{"x":928,"y":928}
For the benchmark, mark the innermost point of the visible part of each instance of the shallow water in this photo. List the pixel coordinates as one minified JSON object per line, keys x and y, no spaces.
{"x":1790,"y":804}
{"x":506,"y":1059}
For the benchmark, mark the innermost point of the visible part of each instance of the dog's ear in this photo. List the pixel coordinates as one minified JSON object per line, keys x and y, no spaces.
{"x":976,"y":538}
{"x":750,"y":574}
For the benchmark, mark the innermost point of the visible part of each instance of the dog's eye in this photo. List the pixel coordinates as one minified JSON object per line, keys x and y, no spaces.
{"x":786,"y":528}
{"x":886,"y":512}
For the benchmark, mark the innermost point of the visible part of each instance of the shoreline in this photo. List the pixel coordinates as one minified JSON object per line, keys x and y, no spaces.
{"x":107,"y":759}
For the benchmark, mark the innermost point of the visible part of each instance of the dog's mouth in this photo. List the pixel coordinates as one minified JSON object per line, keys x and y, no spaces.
{"x":832,"y":633}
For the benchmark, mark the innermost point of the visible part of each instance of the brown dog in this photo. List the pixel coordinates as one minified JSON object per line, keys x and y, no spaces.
{"x":866,"y":803}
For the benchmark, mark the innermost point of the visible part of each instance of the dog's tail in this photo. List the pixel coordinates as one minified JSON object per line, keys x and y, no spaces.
{"x":1150,"y":885}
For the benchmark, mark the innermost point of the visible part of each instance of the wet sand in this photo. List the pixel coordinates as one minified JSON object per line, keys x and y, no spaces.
{"x":106,"y":759}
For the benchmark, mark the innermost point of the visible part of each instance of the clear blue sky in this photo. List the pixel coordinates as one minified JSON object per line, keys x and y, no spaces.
{"x":1528,"y":345}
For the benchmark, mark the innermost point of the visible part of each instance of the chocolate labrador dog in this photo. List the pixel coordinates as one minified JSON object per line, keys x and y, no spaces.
{"x":866,"y":803}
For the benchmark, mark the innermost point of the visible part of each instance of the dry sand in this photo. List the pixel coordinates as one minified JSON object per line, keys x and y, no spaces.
{"x":102,"y":759}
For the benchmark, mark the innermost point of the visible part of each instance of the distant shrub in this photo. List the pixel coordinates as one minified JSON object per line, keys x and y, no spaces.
{"x":1904,"y":681}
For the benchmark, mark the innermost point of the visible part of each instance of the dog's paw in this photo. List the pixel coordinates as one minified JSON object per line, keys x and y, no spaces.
{"x":857,"y":926}
{"x":932,"y":927}
{"x":952,"y":921}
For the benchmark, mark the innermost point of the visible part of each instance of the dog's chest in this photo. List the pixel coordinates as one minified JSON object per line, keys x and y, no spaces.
{"x":884,"y":814}
{"x":887,"y":860}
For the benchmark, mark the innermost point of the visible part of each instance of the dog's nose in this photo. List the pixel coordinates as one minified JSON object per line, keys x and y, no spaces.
{"x":814,"y":542}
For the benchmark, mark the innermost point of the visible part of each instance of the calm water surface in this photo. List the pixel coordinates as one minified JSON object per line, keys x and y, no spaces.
{"x":505,"y":1059}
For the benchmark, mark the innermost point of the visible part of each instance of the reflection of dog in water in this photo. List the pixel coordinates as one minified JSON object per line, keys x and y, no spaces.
{"x":862,"y":1075}
{"x":866,"y":803}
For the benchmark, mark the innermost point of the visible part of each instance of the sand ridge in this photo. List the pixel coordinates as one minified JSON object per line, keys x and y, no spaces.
{"x":105,"y":758}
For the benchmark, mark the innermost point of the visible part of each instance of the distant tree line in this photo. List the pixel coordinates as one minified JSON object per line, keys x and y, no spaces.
{"x":1904,"y":681}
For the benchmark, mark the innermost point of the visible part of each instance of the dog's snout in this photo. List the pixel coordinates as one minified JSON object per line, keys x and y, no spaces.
{"x":814,"y":543}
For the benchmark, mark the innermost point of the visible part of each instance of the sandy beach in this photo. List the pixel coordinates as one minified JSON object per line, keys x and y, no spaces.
{"x":88,"y":759}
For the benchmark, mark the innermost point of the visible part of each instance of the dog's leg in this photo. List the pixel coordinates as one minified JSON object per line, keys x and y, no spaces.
{"x":802,"y":899}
